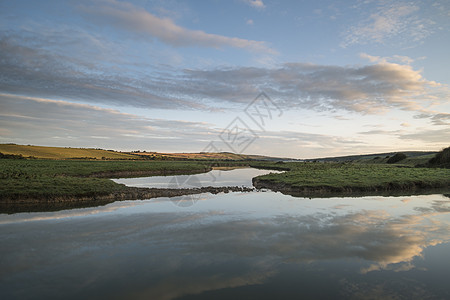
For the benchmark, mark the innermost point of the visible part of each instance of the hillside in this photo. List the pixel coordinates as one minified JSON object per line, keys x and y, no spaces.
{"x":42,"y":152}
{"x":204,"y":156}
{"x":412,"y":157}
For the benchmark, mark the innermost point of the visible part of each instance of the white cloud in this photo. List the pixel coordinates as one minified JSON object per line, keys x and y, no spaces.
{"x":377,"y":87}
{"x":392,"y":20}
{"x":63,"y":123}
{"x":137,"y":20}
{"x":249,"y":22}
{"x":438,"y":137}
{"x":255,"y":3}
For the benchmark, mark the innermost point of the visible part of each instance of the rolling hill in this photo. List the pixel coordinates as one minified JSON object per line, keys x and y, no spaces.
{"x":42,"y":152}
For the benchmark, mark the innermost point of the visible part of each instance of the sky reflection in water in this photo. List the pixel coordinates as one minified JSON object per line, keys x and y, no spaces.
{"x":259,"y":244}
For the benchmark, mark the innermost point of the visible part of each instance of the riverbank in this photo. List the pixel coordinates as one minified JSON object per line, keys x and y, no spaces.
{"x":58,"y":202}
{"x":33,"y":185}
{"x":340,"y":179}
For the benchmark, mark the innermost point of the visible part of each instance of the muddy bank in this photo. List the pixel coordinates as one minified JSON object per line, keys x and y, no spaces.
{"x":54,"y":203}
{"x":390,"y":189}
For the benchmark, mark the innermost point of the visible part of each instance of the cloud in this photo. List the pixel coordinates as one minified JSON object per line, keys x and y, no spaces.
{"x":255,"y":3}
{"x":396,"y":22}
{"x":437,"y":118}
{"x":63,"y":123}
{"x":438,"y":137}
{"x":42,"y":73}
{"x":367,"y":89}
{"x":134,"y":19}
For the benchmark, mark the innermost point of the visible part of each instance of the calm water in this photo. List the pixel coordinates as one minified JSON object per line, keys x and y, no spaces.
{"x":234,"y":177}
{"x":258,"y":245}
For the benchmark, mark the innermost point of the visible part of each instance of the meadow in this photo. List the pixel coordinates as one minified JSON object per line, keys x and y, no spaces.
{"x":28,"y":179}
{"x":351,"y":177}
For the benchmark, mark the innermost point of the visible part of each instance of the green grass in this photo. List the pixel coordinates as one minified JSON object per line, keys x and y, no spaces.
{"x":57,"y":178}
{"x":408,"y":161}
{"x":55,"y":187}
{"x":341,"y":176}
{"x":33,"y":168}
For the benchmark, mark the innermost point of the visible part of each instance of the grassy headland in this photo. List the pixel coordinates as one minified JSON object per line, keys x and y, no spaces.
{"x":56,"y":183}
{"x":316,"y":179}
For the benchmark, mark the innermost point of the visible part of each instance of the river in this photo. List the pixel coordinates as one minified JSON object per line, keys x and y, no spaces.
{"x":253,"y":245}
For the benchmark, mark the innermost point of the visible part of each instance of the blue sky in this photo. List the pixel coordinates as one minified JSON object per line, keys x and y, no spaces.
{"x":337,"y":77}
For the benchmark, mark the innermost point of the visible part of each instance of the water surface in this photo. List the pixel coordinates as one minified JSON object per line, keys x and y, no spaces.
{"x":216,"y":177}
{"x":258,"y":245}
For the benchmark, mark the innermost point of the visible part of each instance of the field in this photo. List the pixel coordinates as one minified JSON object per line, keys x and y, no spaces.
{"x":351,"y":177}
{"x":41,"y":152}
{"x":409,"y":161}
{"x":62,"y":153}
{"x":23,"y":179}
{"x":202,"y":156}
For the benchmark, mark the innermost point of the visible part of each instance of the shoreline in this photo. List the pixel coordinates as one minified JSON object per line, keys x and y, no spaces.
{"x":58,"y":202}
{"x":390,"y":189}
{"x":56,"y":185}
{"x":46,"y":203}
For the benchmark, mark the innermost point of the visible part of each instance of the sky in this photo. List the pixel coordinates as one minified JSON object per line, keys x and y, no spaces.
{"x":299,"y":79}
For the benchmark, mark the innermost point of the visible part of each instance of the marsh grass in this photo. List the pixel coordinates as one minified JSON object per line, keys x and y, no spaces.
{"x":358,"y":176}
{"x":58,"y":178}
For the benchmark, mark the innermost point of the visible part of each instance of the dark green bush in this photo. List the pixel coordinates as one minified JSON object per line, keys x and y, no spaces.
{"x":441,"y":159}
{"x":396,"y":158}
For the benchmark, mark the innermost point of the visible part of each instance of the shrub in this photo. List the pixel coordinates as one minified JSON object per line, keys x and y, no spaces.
{"x":11,"y":156}
{"x":441,"y":159}
{"x":396,"y":158}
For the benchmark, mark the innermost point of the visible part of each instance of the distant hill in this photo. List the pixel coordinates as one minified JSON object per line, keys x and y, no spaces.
{"x":382,"y":157}
{"x":42,"y":152}
{"x":205,"y":156}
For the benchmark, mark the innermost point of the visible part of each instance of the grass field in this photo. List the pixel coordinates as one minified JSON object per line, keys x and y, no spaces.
{"x":20,"y":179}
{"x":41,"y":152}
{"x":353,"y":177}
{"x":203,"y":156}
{"x":409,"y":161}
{"x":62,"y":153}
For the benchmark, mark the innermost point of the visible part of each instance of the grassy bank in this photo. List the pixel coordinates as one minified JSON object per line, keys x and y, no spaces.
{"x":58,"y":184}
{"x":54,"y":179}
{"x":317,"y":178}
